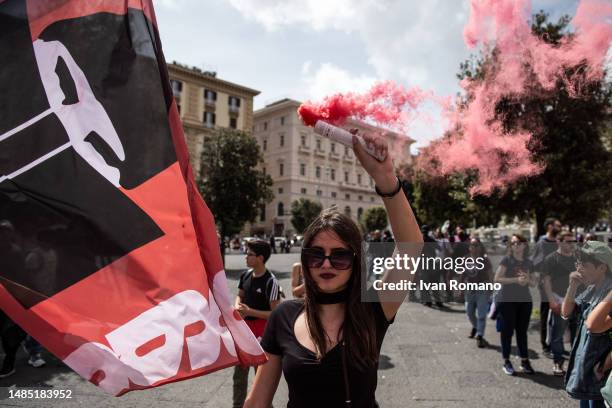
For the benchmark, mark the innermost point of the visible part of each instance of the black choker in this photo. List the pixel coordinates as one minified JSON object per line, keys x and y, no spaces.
{"x":332,"y":298}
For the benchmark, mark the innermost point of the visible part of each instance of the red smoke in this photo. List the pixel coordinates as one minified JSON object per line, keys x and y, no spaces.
{"x":475,"y":138}
{"x":385,"y":103}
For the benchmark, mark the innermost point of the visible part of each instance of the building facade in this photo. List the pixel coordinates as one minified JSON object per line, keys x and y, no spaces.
{"x":205,"y":103}
{"x":303,"y":164}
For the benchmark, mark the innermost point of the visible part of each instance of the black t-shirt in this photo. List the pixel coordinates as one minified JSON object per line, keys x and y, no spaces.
{"x":258,"y":291}
{"x":513,"y":292}
{"x":319,"y":384}
{"x":476,"y":275}
{"x":559,"y":267}
{"x":543,"y":248}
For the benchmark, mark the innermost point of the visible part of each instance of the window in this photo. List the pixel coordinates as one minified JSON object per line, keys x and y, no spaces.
{"x":280,"y":209}
{"x":209,"y":119}
{"x":360,"y":198}
{"x":359,"y":212}
{"x":347,"y":211}
{"x":371,"y":199}
{"x":265,"y":144}
{"x":346,"y":177}
{"x":333,"y":194}
{"x":359,"y":179}
{"x":319,"y":193}
{"x":332,"y":174}
{"x":280,"y":190}
{"x":178,"y":107}
{"x":209,"y":96}
{"x":318,"y":172}
{"x":302,"y":169}
{"x":264,"y":171}
{"x":233,"y":123}
{"x":262,"y":212}
{"x":281,"y":169}
{"x":346,"y":150}
{"x":282,"y":140}
{"x":282,"y":120}
{"x":371,"y":181}
{"x":265,"y":126}
{"x":333,"y":148}
{"x":303,"y":191}
{"x":233,"y":102}
{"x":318,"y":144}
{"x":177,"y":87}
{"x":303,"y":140}
{"x":347,"y":196}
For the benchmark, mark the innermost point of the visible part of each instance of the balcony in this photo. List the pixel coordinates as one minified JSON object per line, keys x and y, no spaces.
{"x":304,"y":149}
{"x":210,"y":103}
{"x":234,"y":109}
{"x":347,"y":158}
{"x":334,"y":155}
{"x":209,"y":125}
{"x":319,"y":152}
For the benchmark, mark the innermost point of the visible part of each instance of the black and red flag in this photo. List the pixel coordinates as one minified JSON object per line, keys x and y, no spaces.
{"x":108,"y":255}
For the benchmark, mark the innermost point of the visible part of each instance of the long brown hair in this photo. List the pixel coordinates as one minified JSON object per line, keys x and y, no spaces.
{"x":358,"y":329}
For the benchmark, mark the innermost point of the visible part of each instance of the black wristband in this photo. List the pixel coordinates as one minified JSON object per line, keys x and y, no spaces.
{"x":391,"y":194}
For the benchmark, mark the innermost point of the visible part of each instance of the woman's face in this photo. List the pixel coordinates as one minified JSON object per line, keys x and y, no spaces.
{"x":327,"y":278}
{"x":517,"y":246}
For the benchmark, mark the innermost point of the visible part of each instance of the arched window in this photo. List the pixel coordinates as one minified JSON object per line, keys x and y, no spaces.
{"x":347,"y":211}
{"x":359,"y":212}
{"x":280,"y":209}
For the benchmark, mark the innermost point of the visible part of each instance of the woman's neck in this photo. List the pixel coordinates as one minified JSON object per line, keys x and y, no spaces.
{"x":332,"y":310}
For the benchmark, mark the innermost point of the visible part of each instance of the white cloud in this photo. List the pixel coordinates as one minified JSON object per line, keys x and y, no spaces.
{"x":414,"y":43}
{"x":306,"y":67}
{"x":317,"y":14}
{"x":330,"y":79}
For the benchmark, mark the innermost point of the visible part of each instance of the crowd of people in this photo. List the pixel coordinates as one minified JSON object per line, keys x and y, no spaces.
{"x":573,"y":275}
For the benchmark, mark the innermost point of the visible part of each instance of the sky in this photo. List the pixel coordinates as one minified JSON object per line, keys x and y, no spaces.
{"x":308,"y":49}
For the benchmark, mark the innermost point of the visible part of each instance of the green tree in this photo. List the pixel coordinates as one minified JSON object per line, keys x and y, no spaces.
{"x":303,"y":212}
{"x":374,"y":218}
{"x":233,"y":187}
{"x":437,"y":199}
{"x":570,"y":140}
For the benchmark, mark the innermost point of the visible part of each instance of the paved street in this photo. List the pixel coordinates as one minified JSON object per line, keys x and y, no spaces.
{"x":427,"y":361}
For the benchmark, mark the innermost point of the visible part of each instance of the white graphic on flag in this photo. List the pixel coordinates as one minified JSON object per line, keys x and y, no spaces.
{"x":71,"y":116}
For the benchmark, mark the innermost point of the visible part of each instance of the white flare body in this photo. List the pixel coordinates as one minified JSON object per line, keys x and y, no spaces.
{"x":346,"y":138}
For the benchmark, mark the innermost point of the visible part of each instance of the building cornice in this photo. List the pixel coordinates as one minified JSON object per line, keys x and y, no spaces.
{"x":213,"y":81}
{"x":276,"y":106}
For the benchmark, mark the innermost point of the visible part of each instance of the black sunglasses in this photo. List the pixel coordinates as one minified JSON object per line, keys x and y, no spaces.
{"x":339,"y":258}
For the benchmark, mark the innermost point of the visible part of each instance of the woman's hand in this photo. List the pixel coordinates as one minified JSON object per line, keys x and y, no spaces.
{"x":382,"y":172}
{"x":523,"y":279}
{"x":576,"y":278}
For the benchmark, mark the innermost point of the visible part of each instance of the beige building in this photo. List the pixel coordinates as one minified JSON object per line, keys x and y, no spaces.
{"x":305,"y":165}
{"x":206,"y":102}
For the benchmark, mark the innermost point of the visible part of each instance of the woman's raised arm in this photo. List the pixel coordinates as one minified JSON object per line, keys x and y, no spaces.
{"x":403,"y":222}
